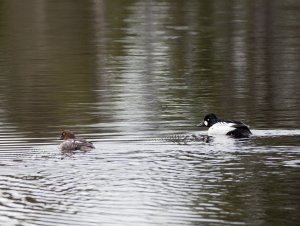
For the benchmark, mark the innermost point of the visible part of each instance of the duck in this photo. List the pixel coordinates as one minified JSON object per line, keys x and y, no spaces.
{"x":231,"y":128}
{"x":72,"y":143}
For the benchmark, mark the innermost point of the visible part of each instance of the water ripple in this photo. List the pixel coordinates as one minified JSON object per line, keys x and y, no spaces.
{"x":135,"y":182}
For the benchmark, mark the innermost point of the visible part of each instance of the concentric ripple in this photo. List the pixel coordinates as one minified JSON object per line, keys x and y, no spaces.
{"x":140,"y":183}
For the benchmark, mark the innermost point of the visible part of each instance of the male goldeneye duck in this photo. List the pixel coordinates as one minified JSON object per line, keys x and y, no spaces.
{"x":232,"y":128}
{"x":72,"y":143}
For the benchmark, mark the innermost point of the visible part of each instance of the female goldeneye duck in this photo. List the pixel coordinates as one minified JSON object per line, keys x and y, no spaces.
{"x":232,"y":128}
{"x":72,"y":143}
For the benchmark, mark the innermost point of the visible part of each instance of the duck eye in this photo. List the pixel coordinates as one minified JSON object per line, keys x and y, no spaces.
{"x":63,"y":134}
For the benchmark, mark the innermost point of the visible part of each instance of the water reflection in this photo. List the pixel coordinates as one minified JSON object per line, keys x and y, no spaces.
{"x":135,"y":77}
{"x":150,"y":64}
{"x":46,"y":79}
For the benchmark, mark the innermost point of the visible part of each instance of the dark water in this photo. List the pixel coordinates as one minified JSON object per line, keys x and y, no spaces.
{"x":135,"y":77}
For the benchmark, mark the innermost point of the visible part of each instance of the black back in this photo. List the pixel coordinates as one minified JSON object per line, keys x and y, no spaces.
{"x":241,"y":131}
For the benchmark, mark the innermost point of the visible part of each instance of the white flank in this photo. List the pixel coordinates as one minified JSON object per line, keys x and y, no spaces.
{"x":78,"y":142}
{"x":220,"y":128}
{"x":68,"y":144}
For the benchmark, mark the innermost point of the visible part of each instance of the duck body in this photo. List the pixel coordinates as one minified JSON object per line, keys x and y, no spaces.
{"x":72,"y":143}
{"x":232,"y":128}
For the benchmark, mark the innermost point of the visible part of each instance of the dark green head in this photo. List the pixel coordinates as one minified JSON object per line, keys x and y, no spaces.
{"x":209,"y":120}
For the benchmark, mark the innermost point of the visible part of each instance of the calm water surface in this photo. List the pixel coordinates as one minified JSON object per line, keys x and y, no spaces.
{"x":135,"y":77}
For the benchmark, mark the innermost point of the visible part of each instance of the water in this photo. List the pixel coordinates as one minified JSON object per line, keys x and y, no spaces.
{"x":135,"y":77}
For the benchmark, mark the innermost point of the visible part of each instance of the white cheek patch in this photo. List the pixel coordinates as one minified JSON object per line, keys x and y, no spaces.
{"x":205,"y":123}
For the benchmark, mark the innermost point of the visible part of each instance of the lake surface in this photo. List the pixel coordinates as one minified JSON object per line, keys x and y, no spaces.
{"x":135,"y":78}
